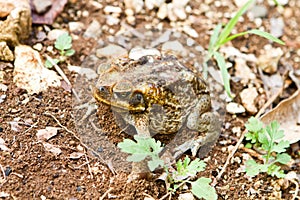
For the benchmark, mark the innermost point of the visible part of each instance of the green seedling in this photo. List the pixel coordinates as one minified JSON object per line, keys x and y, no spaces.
{"x":143,"y":148}
{"x":222,"y":36}
{"x":64,"y":44}
{"x":270,"y":140}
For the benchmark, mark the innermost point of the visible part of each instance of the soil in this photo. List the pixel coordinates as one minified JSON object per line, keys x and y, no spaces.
{"x":31,"y":172}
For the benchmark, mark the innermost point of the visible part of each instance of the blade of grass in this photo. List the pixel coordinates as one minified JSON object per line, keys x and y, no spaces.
{"x":266,"y":35}
{"x":229,"y":26}
{"x":214,"y":38}
{"x":225,"y":76}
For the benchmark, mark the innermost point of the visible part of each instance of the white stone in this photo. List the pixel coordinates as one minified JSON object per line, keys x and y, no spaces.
{"x":190,"y":31}
{"x":234,"y":108}
{"x":162,"y":11}
{"x":186,"y":196}
{"x":38,"y":46}
{"x":93,"y":30}
{"x":75,"y":26}
{"x":111,"y":50}
{"x":110,"y":20}
{"x":248,"y":97}
{"x":138,"y":52}
{"x":174,"y":46}
{"x":55,"y":33}
{"x":112,"y":9}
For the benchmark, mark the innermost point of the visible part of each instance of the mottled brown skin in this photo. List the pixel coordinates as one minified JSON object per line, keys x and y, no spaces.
{"x":157,"y":95}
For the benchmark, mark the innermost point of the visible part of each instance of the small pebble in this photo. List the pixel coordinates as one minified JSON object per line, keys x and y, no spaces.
{"x":38,"y":46}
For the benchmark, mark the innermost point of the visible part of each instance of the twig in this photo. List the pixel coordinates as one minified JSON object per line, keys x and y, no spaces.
{"x":74,"y":135}
{"x":104,"y":195}
{"x":62,"y":74}
{"x":231,"y":155}
{"x":89,"y":167}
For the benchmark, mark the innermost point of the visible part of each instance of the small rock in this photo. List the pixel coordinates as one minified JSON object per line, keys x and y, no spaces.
{"x":186,"y":196}
{"x":163,"y":38}
{"x":3,"y":87}
{"x":112,"y":9}
{"x":258,"y":11}
{"x":76,"y":26}
{"x":38,"y":46}
{"x":269,"y":58}
{"x":240,"y":3}
{"x":190,"y":42}
{"x":150,"y":4}
{"x":93,"y":30}
{"x":42,"y":6}
{"x":243,"y":71}
{"x":5,"y":53}
{"x":234,"y":108}
{"x":190,"y":31}
{"x":174,"y":46}
{"x":88,"y":72}
{"x":111,"y":20}
{"x":138,"y":52}
{"x":162,"y":11}
{"x":2,"y":99}
{"x":55,"y":33}
{"x":136,"y":5}
{"x":248,"y":97}
{"x":277,"y":26}
{"x":111,"y":50}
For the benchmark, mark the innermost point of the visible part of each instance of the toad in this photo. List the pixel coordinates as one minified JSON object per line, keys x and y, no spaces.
{"x":157,"y":94}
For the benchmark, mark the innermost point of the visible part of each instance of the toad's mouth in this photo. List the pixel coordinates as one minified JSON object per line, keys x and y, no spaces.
{"x":116,"y":104}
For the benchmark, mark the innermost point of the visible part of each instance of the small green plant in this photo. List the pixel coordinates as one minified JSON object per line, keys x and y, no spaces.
{"x":222,"y":36}
{"x":186,"y":169}
{"x":64,"y":44}
{"x":270,"y":140}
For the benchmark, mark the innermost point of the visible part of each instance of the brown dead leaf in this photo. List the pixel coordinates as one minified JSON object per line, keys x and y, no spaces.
{"x":47,"y":133}
{"x":288,"y":115}
{"x":52,"y":148}
{"x":76,"y":155}
{"x":49,"y":17}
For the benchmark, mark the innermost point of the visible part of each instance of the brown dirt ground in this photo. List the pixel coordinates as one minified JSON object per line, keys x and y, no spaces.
{"x":31,"y":172}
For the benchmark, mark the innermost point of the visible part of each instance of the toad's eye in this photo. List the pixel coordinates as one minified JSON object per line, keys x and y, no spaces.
{"x":136,"y":99}
{"x":102,"y":90}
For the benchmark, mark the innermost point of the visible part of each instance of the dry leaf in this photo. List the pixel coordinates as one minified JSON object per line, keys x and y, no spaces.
{"x":51,"y":148}
{"x":288,"y":115}
{"x":76,"y":155}
{"x":47,"y":133}
{"x":3,"y":147}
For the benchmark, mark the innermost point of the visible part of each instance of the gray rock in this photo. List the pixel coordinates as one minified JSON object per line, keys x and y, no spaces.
{"x":94,"y":30}
{"x":55,"y":33}
{"x":75,"y":26}
{"x":277,"y":25}
{"x":42,"y":6}
{"x":139,"y":52}
{"x":175,"y":47}
{"x":111,"y":50}
{"x":259,"y":11}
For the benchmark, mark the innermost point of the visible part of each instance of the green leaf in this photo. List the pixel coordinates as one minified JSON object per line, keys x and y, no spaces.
{"x":230,"y":25}
{"x":185,"y":168}
{"x":202,"y":189}
{"x":275,"y":170}
{"x":254,"y":124}
{"x":253,"y":168}
{"x":283,"y":158}
{"x":63,"y":42}
{"x":266,"y":35}
{"x":225,"y":75}
{"x":152,"y":164}
{"x":280,"y":147}
{"x":69,"y":52}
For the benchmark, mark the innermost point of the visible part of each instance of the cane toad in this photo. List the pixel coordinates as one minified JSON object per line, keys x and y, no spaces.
{"x":158,"y":95}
